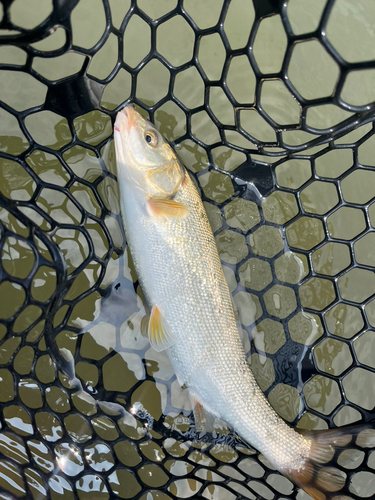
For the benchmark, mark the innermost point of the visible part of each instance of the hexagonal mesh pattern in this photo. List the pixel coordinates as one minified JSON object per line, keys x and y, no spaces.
{"x":270,"y":106}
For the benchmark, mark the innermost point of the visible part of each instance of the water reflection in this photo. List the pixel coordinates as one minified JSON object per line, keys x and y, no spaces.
{"x":99,"y":456}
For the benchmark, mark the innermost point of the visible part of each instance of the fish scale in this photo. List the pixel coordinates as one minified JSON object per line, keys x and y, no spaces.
{"x":192,"y":316}
{"x":186,"y":282}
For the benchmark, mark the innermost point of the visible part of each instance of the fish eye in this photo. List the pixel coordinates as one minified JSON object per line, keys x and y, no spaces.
{"x":151,"y":138}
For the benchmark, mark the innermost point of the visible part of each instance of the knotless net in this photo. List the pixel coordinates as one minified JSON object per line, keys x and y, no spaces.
{"x":270,"y":105}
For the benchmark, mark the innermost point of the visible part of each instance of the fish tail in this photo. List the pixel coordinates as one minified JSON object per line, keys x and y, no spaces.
{"x":333,"y":454}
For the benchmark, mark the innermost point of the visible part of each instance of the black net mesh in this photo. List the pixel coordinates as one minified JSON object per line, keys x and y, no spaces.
{"x":270,"y":106}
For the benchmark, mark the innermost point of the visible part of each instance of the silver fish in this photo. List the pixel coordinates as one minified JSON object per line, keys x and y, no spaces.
{"x":192,"y":316}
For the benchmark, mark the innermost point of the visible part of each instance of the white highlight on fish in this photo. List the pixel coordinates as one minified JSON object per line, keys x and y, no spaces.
{"x":191,"y":312}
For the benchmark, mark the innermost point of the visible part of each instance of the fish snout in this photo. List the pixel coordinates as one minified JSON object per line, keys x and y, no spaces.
{"x":125,"y":119}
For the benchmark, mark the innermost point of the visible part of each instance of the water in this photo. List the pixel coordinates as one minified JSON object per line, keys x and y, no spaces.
{"x":64,"y":256}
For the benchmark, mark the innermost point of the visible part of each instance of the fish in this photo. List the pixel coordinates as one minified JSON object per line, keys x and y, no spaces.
{"x":191,"y":311}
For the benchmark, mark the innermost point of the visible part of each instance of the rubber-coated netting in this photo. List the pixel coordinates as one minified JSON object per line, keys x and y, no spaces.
{"x":270,"y":105}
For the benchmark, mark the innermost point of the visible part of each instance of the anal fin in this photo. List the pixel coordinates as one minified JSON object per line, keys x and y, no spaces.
{"x":204,"y":419}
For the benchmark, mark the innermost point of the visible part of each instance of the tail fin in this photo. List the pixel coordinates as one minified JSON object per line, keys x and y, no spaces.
{"x":334,"y":453}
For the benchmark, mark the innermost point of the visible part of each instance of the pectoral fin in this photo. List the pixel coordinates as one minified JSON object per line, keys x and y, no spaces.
{"x":158,"y":332}
{"x":167,"y":209}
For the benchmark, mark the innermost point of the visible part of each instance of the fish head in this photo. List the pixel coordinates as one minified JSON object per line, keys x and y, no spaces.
{"x":144,"y":158}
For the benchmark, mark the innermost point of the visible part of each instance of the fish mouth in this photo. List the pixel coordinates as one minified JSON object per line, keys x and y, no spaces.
{"x":125,"y":119}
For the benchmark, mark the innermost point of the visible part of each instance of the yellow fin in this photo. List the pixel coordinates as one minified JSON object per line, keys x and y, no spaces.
{"x":158,"y":332}
{"x":167,"y":209}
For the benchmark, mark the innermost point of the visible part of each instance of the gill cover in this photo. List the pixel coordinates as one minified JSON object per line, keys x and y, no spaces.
{"x":144,"y":157}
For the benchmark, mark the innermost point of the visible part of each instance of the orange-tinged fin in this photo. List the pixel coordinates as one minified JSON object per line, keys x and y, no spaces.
{"x":334,"y":453}
{"x":158,"y":332}
{"x":204,"y":420}
{"x":167,"y":209}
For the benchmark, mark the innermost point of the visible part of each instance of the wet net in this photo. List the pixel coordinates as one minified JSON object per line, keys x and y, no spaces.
{"x":270,"y":105}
